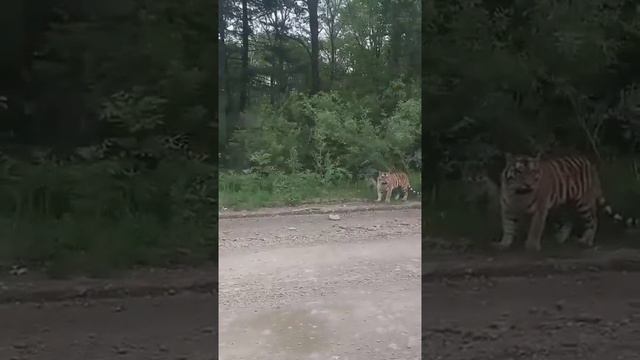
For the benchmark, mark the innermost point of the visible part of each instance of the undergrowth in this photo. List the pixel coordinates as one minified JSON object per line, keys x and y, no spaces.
{"x":320,"y":148}
{"x":90,"y":218}
{"x":250,"y":191}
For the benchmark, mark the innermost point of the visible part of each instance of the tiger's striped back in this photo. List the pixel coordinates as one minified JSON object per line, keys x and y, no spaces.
{"x":533,"y":186}
{"x":548,"y":183}
{"x":387,"y":181}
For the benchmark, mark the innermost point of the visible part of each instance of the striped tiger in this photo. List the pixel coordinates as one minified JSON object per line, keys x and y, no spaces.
{"x":387,"y":181}
{"x":531,"y":185}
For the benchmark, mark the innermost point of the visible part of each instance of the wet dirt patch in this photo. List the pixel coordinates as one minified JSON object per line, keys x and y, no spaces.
{"x":294,"y":331}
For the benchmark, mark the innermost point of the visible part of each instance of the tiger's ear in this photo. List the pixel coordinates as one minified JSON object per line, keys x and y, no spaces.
{"x":509,"y":157}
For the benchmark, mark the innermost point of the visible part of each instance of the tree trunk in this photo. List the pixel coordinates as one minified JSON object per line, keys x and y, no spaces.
{"x":277,"y":67}
{"x":332,"y":8}
{"x":332,"y":41}
{"x":244,"y":85}
{"x":221,"y":50}
{"x":223,"y":95}
{"x":395,"y":45}
{"x":315,"y":46}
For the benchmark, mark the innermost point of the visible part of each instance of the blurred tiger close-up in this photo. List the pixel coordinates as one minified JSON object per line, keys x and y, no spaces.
{"x":531,"y":185}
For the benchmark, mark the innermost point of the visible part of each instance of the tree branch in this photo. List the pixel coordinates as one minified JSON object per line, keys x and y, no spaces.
{"x":299,"y":41}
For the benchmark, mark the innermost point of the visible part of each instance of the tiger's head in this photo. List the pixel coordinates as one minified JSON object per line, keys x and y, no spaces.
{"x":521,"y":173}
{"x":382,"y":175}
{"x":382,"y":178}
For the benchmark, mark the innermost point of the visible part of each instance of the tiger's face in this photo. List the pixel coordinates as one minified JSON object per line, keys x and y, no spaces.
{"x":521,"y":173}
{"x":382,"y":178}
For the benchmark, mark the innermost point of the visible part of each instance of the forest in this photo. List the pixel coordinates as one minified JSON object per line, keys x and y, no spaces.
{"x":115,"y":116}
{"x":316,"y":96}
{"x":107,"y":134}
{"x":534,"y":77}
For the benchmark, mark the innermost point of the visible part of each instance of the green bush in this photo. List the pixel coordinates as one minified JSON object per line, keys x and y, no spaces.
{"x":528,"y":77}
{"x":329,"y":136}
{"x":92,"y":217}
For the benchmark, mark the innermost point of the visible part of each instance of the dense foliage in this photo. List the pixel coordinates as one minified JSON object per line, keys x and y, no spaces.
{"x":326,"y":90}
{"x":106,"y":125}
{"x":530,"y":77}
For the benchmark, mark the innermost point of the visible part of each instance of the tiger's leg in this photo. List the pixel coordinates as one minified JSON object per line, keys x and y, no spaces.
{"x":397,"y":194}
{"x":379,"y":190}
{"x":589,"y":215}
{"x":379,"y":194}
{"x":406,"y":193}
{"x":562,"y":235}
{"x":536,"y":228}
{"x":388,"y":195}
{"x":509,"y":229}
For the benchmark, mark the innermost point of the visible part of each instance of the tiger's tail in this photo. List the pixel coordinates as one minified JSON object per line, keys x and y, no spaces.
{"x":617,"y":217}
{"x":404,"y":177}
{"x":414,"y":190}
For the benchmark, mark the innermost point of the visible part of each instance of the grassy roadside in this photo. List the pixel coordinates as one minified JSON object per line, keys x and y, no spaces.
{"x":252,"y":191}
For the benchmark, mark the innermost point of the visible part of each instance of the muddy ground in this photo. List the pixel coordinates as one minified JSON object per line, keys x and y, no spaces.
{"x":561,"y":317}
{"x":167,"y":327}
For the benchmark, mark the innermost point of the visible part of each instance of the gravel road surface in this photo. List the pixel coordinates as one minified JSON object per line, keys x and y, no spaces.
{"x":308,"y":287}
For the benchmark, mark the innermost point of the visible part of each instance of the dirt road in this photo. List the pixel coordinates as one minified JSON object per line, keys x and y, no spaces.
{"x":581,"y":316}
{"x":168,"y":327}
{"x":306,"y":287}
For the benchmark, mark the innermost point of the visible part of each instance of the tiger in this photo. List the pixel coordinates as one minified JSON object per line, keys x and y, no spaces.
{"x":531,"y":185}
{"x":387,"y":181}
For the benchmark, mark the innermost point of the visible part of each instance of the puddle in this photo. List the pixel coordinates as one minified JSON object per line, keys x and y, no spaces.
{"x":297,"y":331}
